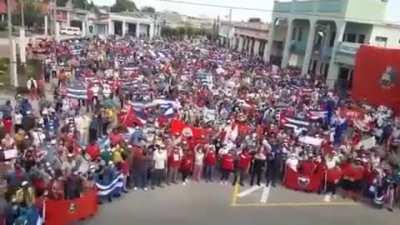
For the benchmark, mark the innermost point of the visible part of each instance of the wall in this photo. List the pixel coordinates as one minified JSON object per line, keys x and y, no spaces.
{"x":280,"y":33}
{"x":392,"y":33}
{"x":366,"y":10}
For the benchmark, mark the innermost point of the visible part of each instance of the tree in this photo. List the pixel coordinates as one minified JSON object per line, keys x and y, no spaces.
{"x":32,"y":13}
{"x":148,"y":9}
{"x":123,"y":5}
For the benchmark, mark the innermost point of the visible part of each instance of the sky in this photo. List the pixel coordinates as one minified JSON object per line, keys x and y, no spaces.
{"x":392,"y":14}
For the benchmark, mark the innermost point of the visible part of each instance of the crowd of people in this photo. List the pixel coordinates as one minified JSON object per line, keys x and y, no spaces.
{"x":161,"y":113}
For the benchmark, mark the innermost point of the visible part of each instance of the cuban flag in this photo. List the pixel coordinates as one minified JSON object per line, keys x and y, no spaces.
{"x":298,"y":125}
{"x":77,"y":90}
{"x":114,"y":187}
{"x":317,"y":114}
{"x":168,"y":110}
{"x":133,"y":116}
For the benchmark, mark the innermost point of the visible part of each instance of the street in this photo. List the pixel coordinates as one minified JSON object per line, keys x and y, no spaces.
{"x":215,"y":204}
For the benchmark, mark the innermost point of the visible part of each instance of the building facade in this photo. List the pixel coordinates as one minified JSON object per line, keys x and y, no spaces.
{"x":322,"y":37}
{"x":105,"y":23}
{"x":250,"y":38}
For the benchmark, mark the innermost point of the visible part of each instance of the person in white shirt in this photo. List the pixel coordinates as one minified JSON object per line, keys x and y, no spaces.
{"x":160,"y":163}
{"x":17,"y":121}
{"x":198,"y":164}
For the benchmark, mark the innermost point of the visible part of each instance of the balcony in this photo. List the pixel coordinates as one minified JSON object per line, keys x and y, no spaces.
{"x":348,"y":48}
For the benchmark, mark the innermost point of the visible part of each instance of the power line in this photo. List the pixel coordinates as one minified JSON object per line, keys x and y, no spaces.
{"x":215,"y":5}
{"x":272,"y":11}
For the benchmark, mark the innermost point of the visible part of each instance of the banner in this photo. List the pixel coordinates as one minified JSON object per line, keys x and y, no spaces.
{"x":114,"y":186}
{"x":376,"y":76}
{"x":64,"y":212}
{"x":303,"y":181}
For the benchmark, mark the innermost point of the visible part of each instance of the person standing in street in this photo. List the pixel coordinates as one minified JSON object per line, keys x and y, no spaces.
{"x":198,"y":164}
{"x":186,"y":166}
{"x":210,"y":161}
{"x":243,"y":167}
{"x":160,"y":163}
{"x":227,"y":166}
{"x":272,"y":164}
{"x":174,"y":162}
{"x":258,"y":166}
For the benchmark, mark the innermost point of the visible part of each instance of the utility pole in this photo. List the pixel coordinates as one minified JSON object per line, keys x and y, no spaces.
{"x":22,"y":3}
{"x":13,"y":55}
{"x":230,"y":27}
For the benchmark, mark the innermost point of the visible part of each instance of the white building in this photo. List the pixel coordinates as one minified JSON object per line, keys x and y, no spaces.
{"x":106,"y":23}
{"x":323,"y":36}
{"x":247,"y":37}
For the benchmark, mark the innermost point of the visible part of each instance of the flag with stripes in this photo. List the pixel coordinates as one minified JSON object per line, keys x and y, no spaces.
{"x":115,"y":186}
{"x":298,"y":125}
{"x":317,"y":114}
{"x":77,"y":90}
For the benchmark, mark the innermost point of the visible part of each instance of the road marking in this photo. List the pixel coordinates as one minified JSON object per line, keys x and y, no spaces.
{"x":235,"y":194}
{"x":265,"y":195}
{"x":298,"y":204}
{"x":249,"y":191}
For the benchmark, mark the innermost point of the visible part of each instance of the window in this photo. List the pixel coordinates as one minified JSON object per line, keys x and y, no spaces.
{"x":381,"y":41}
{"x":294,"y":34}
{"x":350,"y":38}
{"x":300,"y":34}
{"x":361,"y":38}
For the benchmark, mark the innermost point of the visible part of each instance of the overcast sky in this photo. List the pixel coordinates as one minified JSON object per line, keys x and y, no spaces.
{"x":393,"y":13}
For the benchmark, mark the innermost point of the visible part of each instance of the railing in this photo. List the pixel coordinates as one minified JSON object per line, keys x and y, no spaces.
{"x":348,"y":48}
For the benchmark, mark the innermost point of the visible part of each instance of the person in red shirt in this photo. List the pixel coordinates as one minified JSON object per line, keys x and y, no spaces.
{"x":93,"y":150}
{"x":115,"y":137}
{"x":353,"y":174}
{"x":8,"y":124}
{"x":227,"y":166}
{"x":210,"y":160}
{"x":186,"y":165}
{"x":174,"y":162}
{"x":243,"y":166}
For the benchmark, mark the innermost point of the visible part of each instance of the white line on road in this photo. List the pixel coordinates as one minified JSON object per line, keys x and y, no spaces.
{"x":265,"y":195}
{"x":249,"y":191}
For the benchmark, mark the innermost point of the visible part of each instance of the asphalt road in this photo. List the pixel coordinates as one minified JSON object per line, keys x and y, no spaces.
{"x":215,"y":204}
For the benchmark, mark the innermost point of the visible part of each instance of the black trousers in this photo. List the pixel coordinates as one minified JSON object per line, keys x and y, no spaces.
{"x":331,"y":188}
{"x":185,"y":175}
{"x":225,"y":175}
{"x":271,"y":173}
{"x":158,"y":177}
{"x":256,"y":172}
{"x":242,"y":173}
